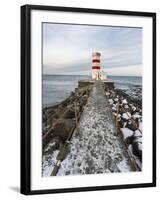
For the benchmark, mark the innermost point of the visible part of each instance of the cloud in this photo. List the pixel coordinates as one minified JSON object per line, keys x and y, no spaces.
{"x":68,"y":48}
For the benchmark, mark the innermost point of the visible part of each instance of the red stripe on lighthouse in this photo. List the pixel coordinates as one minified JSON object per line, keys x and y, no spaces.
{"x":96,"y":60}
{"x":95,"y":67}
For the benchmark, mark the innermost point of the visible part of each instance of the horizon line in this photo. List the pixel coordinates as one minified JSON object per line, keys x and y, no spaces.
{"x":87,"y":75}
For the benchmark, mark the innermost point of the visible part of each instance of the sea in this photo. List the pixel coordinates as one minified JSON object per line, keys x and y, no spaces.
{"x":56,"y":88}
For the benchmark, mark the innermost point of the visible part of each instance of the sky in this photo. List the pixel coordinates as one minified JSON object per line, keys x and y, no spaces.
{"x":67,"y":49}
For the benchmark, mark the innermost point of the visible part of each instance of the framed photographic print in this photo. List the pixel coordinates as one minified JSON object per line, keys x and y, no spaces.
{"x":88,"y":99}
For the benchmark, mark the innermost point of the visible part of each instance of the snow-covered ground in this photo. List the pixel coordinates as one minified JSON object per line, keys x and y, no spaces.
{"x":97,"y":148}
{"x":48,"y":162}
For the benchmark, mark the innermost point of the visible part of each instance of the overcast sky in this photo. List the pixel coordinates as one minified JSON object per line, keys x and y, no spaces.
{"x":67,"y":49}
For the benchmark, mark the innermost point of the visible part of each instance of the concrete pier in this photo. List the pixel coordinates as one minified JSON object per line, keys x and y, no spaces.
{"x":97,"y":148}
{"x":84,"y":83}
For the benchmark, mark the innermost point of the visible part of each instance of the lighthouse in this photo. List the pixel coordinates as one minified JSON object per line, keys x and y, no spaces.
{"x":96,"y":65}
{"x":97,"y":72}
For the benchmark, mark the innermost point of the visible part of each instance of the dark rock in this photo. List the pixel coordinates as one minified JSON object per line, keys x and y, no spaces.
{"x":137,"y":144}
{"x":56,"y":116}
{"x":121,"y":123}
{"x":64,"y":104}
{"x":131,"y":126}
{"x":129,"y":140}
{"x":121,"y":110}
{"x":70,"y":114}
{"x":136,"y":150}
{"x":67,"y":173}
{"x":63,"y":129}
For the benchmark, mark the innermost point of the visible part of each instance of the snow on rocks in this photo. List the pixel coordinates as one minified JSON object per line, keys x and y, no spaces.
{"x":114,"y":108}
{"x":126,"y":116}
{"x":130,"y":122}
{"x":140,"y":126}
{"x":136,"y":116}
{"x":126,"y":106}
{"x":133,"y":108}
{"x":107,"y":93}
{"x":111,"y":101}
{"x":114,"y":105}
{"x":124,"y":101}
{"x":48,"y":162}
{"x":126,"y":132}
{"x":131,"y":125}
{"x":137,"y":133}
{"x":116,"y":99}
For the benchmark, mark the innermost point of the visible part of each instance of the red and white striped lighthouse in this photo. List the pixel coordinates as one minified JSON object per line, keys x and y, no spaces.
{"x":96,"y":65}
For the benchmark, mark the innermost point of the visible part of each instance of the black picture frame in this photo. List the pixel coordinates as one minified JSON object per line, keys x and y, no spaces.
{"x":26,"y":97}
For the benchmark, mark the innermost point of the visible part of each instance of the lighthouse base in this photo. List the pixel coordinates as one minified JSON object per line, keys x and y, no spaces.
{"x":84,"y":83}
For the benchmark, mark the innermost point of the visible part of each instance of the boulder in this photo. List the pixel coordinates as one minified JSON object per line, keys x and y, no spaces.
{"x":137,"y":134}
{"x":116,"y":100}
{"x":137,"y":144}
{"x":137,"y":149}
{"x":69,"y":114}
{"x":63,"y":129}
{"x":121,"y":111}
{"x":136,"y":116}
{"x":126,"y":116}
{"x":121,"y":123}
{"x":124,"y":101}
{"x":111,"y":101}
{"x":131,"y":126}
{"x":114,"y":108}
{"x":129,"y":140}
{"x":126,"y":133}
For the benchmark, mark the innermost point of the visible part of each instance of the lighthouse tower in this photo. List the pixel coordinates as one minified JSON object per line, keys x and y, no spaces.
{"x":96,"y":65}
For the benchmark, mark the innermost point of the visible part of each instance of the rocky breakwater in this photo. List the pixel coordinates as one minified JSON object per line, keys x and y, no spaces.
{"x":127,"y":112}
{"x":59,"y":123}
